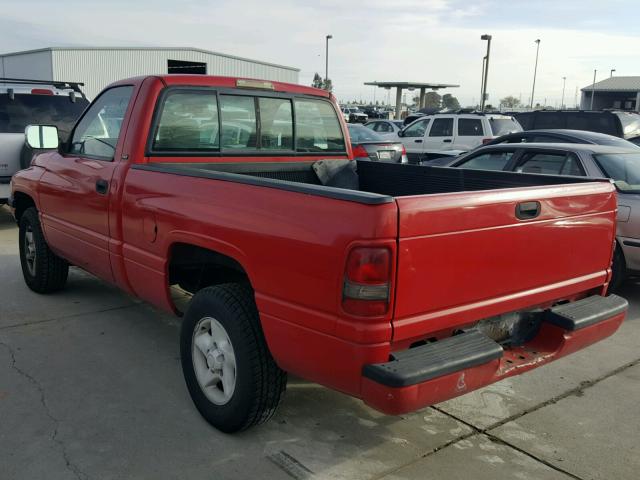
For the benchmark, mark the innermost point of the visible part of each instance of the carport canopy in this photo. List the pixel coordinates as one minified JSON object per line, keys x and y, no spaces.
{"x":399,"y":86}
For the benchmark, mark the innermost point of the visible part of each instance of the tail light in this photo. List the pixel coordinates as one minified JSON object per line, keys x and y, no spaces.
{"x":360,"y":152}
{"x":41,"y":91}
{"x":367,"y":282}
{"x":404,"y":158}
{"x":486,"y":140}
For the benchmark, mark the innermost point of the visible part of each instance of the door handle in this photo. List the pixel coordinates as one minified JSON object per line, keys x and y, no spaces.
{"x":102,"y":186}
{"x":527,"y":210}
{"x":418,"y":141}
{"x":447,"y":140}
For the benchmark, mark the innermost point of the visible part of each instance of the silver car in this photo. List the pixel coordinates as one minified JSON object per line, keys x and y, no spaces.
{"x":619,"y":163}
{"x":24,"y":102}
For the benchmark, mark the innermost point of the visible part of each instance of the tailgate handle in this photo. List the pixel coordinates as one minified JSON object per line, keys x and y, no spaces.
{"x":527,"y":210}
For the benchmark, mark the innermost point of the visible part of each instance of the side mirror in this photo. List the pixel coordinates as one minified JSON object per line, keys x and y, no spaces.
{"x":401,"y":133}
{"x":41,"y":136}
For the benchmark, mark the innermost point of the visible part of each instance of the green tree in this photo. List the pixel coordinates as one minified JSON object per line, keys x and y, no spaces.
{"x":510,"y":102}
{"x":317,"y":81}
{"x":450,"y":102}
{"x":432,"y":100}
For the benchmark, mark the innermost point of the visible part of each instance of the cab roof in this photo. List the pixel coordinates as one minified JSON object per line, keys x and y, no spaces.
{"x":227,"y":82}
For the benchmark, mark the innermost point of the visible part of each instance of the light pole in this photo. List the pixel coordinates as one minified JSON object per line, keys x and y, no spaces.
{"x":485,"y":70}
{"x":535,"y":71}
{"x":326,"y":69}
{"x":611,"y":73}
{"x":564,"y":83}
{"x":593,"y":92}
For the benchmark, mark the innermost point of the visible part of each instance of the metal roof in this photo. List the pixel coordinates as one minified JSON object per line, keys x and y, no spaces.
{"x":615,"y":84}
{"x":209,"y":52}
{"x":414,"y":85}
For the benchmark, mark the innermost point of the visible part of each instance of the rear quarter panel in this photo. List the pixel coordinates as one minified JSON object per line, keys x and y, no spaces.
{"x":293,"y":247}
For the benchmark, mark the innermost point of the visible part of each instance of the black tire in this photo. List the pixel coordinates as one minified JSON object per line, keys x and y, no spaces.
{"x":259,"y":382}
{"x":46,"y":272}
{"x":618,"y":270}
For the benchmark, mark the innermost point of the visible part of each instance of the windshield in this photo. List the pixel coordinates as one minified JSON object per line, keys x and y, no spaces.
{"x":358,"y":133}
{"x":623,"y":168}
{"x":25,"y":110}
{"x":502,"y":126}
{"x":630,"y":123}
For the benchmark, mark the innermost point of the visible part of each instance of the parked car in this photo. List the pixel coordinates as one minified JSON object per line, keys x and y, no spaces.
{"x":617,"y":123}
{"x":619,"y":163}
{"x":562,"y":136}
{"x":386,"y":128}
{"x":352,"y":274}
{"x":24,"y":102}
{"x":372,"y":112}
{"x":368,"y":145}
{"x":453,"y":131}
{"x":354,"y":115}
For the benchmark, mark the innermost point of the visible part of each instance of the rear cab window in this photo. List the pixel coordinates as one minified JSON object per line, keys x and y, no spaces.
{"x":201,"y":121}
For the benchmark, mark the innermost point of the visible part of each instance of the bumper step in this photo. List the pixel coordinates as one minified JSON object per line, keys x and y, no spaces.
{"x":582,"y":313}
{"x":419,"y":364}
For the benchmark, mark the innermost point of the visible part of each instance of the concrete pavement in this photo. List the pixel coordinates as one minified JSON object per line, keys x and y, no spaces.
{"x":91,"y":388}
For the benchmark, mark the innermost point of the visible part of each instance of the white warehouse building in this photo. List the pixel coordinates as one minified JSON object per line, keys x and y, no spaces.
{"x":97,"y":67}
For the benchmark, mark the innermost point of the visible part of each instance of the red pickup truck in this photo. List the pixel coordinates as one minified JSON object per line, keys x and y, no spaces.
{"x":400,"y":285}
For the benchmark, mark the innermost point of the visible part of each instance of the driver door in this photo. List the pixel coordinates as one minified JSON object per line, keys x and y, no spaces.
{"x":75,"y":188}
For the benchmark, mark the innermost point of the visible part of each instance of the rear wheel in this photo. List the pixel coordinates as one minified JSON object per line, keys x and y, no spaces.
{"x":232,"y":378}
{"x":43,"y":270}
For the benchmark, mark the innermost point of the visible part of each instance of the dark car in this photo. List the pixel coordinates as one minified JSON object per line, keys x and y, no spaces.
{"x":368,"y":145}
{"x":562,"y":136}
{"x":621,"y":164}
{"x":617,"y":123}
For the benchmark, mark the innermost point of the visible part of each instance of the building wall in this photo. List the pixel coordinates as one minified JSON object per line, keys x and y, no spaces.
{"x":34,"y":66}
{"x":97,"y":68}
{"x":619,"y":100}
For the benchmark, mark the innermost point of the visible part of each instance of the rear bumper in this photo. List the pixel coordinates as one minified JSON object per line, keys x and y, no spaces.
{"x":462,"y":364}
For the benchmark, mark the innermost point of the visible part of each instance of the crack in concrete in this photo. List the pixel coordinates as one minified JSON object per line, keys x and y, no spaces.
{"x":485,"y":431}
{"x":66,"y":317}
{"x":79,"y":474}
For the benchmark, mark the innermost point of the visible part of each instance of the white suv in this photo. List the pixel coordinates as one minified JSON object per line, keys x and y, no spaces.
{"x":441,"y":134}
{"x":38,"y":102}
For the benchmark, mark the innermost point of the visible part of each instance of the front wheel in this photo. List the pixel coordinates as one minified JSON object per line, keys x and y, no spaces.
{"x":232,"y":378}
{"x":43,"y":270}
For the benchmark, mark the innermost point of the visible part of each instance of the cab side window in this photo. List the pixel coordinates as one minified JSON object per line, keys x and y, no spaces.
{"x":96,"y":135}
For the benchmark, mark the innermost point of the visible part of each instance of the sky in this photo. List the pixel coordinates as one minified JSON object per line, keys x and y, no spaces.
{"x":394,"y":40}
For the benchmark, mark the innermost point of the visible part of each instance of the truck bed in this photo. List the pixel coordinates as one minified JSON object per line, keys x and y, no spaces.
{"x":376,"y":182}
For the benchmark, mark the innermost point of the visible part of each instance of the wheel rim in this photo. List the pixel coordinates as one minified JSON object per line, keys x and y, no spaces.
{"x":214,"y":360}
{"x":30,"y":251}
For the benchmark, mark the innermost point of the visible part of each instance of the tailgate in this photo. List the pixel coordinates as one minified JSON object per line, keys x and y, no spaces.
{"x":466,"y":256}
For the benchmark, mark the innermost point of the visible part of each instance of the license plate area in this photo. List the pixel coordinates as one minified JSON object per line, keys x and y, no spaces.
{"x":385,"y":154}
{"x":514,"y":328}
